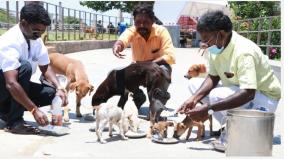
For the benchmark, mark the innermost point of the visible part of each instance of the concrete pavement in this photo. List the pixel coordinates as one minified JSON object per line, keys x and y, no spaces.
{"x":81,"y":143}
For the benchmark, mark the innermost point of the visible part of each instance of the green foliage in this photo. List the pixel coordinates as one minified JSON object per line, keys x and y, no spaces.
{"x":71,"y":20}
{"x":124,"y":6}
{"x":3,"y":17}
{"x":247,"y":9}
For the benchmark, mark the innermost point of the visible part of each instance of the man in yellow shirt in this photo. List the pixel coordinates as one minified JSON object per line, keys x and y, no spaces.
{"x":247,"y":79}
{"x":149,"y":41}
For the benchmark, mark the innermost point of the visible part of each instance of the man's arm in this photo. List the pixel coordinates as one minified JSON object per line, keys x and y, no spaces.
{"x":49,"y":74}
{"x":235,"y":100}
{"x":117,"y":48}
{"x":18,"y":93}
{"x":209,"y":83}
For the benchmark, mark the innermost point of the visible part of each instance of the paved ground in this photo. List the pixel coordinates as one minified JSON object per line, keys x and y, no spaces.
{"x":81,"y":143}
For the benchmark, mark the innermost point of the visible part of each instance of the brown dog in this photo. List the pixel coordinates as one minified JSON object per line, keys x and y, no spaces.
{"x":160,"y":128}
{"x":76,"y":77}
{"x":195,"y":70}
{"x":188,"y":123}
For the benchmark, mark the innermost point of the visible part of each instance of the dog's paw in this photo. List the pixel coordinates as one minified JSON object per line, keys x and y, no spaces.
{"x":66,"y":119}
{"x":197,"y":139}
{"x":149,"y":136}
{"x":124,"y":137}
{"x":79,"y":115}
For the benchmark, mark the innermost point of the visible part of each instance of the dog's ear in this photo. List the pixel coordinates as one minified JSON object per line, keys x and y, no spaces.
{"x":91,"y":89}
{"x":196,"y":67}
{"x":73,"y":86}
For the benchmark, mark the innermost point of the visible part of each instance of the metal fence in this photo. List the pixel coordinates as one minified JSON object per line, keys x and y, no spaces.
{"x":264,"y":31}
{"x":67,"y":23}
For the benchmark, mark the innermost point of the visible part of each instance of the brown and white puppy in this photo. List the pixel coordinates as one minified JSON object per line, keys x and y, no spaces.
{"x":161,"y":129}
{"x":188,"y":123}
{"x":113,"y":115}
{"x":77,"y":78}
{"x":195,"y":71}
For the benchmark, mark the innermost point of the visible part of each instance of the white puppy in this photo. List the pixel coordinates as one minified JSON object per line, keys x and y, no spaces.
{"x":131,"y":113}
{"x":114,"y":115}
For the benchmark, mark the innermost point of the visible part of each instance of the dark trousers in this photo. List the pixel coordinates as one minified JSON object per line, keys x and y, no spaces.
{"x":40,"y":94}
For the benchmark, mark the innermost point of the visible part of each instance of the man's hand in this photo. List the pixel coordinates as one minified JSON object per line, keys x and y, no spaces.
{"x":199,"y":113}
{"x":40,"y":117}
{"x":63,"y":96}
{"x":117,"y":48}
{"x":187,"y":105}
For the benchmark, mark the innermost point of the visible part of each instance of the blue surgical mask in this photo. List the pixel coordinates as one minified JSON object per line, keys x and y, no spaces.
{"x":214,"y":49}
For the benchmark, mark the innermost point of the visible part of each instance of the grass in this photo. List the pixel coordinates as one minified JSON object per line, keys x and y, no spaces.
{"x":76,"y":36}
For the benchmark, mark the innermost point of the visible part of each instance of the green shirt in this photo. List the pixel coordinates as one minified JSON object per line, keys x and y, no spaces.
{"x":244,"y":60}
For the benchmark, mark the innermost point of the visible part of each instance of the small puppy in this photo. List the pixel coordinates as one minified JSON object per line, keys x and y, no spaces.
{"x":195,"y":71}
{"x":131,"y":114}
{"x":114,"y":115}
{"x":188,"y":123}
{"x":161,"y":128}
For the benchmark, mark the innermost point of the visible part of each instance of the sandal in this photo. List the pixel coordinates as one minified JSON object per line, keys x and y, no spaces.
{"x":24,"y":129}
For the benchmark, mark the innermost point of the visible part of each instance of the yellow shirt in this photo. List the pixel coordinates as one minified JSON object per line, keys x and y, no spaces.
{"x":158,"y":45}
{"x":249,"y":66}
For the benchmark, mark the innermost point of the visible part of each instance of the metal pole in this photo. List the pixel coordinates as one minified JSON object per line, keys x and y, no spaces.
{"x":56,"y":22}
{"x":74,"y":25}
{"x":47,"y":27}
{"x":7,"y":12}
{"x":80,"y":25}
{"x":68,"y":24}
{"x":90,"y":25}
{"x":102,"y":28}
{"x":62,"y":22}
{"x":85,"y":25}
{"x":17,"y":11}
{"x":109,"y":28}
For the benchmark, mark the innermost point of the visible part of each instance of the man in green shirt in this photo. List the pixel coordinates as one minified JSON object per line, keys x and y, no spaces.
{"x":247,"y":79}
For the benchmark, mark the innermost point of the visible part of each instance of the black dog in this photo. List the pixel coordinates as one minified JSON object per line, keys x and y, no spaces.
{"x":121,"y":82}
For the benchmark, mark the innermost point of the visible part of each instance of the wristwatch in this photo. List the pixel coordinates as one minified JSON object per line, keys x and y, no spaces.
{"x":210,"y":110}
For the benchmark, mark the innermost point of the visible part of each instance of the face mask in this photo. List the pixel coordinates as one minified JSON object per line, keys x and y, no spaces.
{"x":214,"y":49}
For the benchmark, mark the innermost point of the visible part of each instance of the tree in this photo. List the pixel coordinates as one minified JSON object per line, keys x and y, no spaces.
{"x":247,"y":9}
{"x":124,"y":6}
{"x":71,"y":20}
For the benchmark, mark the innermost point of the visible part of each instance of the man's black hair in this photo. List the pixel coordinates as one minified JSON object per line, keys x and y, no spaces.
{"x":35,"y":14}
{"x":214,"y":21}
{"x":144,"y":9}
